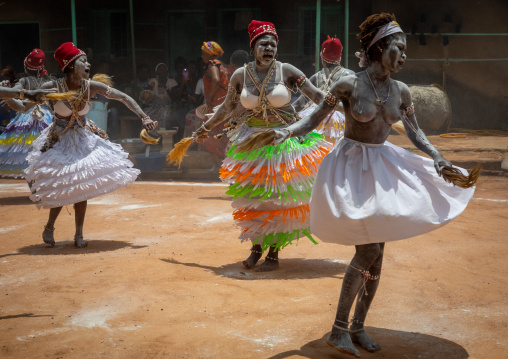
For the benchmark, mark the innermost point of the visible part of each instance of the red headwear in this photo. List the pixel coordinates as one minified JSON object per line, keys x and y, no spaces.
{"x":258,"y":28}
{"x":66,"y":53}
{"x":35,"y":61}
{"x":331,"y":51}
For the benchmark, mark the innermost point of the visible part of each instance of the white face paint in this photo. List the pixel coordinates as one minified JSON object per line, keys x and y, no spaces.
{"x":394,"y":55}
{"x":82,"y":67}
{"x":265,"y":49}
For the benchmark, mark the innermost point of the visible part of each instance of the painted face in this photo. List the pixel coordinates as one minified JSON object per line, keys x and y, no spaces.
{"x":394,"y":55}
{"x":82,"y":67}
{"x":265,"y":49}
{"x":161,"y":71}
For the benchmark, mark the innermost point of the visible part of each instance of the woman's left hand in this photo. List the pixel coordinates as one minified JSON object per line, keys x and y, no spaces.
{"x":149,"y":124}
{"x":280,"y":136}
{"x":200,"y":134}
{"x":440,"y":162}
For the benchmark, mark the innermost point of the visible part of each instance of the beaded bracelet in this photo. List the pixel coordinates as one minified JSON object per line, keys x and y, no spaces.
{"x":409,"y":110}
{"x":108,"y":92}
{"x":331,"y":100}
{"x":143,"y":119}
{"x":301,"y":81}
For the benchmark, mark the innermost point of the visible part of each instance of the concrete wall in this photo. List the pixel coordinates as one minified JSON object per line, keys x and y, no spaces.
{"x":477,"y":89}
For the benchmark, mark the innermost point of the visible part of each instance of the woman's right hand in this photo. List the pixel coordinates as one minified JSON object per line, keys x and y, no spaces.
{"x":5,"y":83}
{"x":280,"y":136}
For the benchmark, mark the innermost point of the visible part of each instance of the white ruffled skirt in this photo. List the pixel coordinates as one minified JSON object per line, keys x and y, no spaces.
{"x":371,"y":193}
{"x":332,"y":126}
{"x":79,"y":167}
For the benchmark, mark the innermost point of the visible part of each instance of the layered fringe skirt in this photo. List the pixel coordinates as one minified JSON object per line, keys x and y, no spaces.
{"x":17,"y":139}
{"x":75,"y":165}
{"x":332,"y":126}
{"x":371,"y":193}
{"x":271,"y":187}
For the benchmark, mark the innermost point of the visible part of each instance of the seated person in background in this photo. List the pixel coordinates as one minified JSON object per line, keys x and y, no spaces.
{"x":159,"y":108}
{"x":140,"y":83}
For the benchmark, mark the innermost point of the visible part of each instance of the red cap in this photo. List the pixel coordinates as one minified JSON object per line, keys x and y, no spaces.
{"x":66,"y":53}
{"x":331,"y":50}
{"x":258,"y":28}
{"x":35,"y":61}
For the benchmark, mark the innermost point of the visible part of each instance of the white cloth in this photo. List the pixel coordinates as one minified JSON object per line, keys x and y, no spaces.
{"x":154,"y":82}
{"x":371,"y":193}
{"x":79,"y":167}
{"x":332,"y":126}
{"x":200,"y":89}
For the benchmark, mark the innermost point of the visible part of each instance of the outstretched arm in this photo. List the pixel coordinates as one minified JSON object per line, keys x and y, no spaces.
{"x":415,"y":134}
{"x":300,"y":103}
{"x":231,"y":103}
{"x":294,"y":76}
{"x":310,"y":122}
{"x":114,"y":94}
{"x":16,"y":105}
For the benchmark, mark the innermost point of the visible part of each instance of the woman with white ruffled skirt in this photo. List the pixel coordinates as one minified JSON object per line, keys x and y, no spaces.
{"x":368,"y":191}
{"x":72,"y":161}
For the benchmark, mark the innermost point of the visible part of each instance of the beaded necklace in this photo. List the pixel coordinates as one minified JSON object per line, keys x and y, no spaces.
{"x":374,"y":88}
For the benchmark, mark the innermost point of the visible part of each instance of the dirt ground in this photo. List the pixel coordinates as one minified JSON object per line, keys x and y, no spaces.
{"x":162,"y":278}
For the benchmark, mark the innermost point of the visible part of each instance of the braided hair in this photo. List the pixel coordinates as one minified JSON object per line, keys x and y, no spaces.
{"x":369,"y":29}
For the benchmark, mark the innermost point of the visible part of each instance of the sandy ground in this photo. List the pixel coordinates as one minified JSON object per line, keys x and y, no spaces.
{"x":162,"y":278}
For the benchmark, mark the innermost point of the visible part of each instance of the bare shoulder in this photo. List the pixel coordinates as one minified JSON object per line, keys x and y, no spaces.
{"x":348,"y":72}
{"x":405,"y":94}
{"x":288,"y":68}
{"x":344,"y":85}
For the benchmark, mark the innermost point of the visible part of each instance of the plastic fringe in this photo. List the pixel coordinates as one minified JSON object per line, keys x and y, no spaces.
{"x":282,"y":239}
{"x":62,"y":96}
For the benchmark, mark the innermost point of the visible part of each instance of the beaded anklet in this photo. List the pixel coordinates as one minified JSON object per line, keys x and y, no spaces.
{"x":255,"y":251}
{"x":273,"y":259}
{"x":340,"y":328}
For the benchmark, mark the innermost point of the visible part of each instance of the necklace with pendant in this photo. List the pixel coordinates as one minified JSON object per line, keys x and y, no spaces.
{"x":375,"y":92}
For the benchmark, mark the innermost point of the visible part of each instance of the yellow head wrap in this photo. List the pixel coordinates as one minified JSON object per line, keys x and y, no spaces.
{"x":212,"y":48}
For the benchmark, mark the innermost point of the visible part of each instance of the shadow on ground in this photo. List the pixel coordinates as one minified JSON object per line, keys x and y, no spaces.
{"x":25,"y":315}
{"x":222,"y":198}
{"x":67,"y":247}
{"x":292,"y":268}
{"x":15,"y":201}
{"x":395,"y":345}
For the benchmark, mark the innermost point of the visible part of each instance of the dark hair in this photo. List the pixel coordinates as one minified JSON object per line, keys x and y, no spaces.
{"x":142,"y":66}
{"x":180,"y":61}
{"x":369,"y":29}
{"x":239,"y":58}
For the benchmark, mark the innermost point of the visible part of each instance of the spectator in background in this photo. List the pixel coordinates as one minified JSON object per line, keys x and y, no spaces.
{"x":237,"y":60}
{"x":8,"y":73}
{"x":140,"y":83}
{"x":159,"y":108}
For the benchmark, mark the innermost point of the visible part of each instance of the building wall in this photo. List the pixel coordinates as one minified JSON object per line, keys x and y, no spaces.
{"x":476,"y":89}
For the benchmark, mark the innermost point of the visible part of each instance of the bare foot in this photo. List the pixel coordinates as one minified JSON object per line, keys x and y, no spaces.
{"x":79,"y":242}
{"x":341,"y":341}
{"x":365,"y":341}
{"x":254,"y":257}
{"x":268,"y":265}
{"x":47,"y":236}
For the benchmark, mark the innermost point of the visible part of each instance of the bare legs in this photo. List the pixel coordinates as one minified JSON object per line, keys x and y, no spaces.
{"x":271,"y":260}
{"x":361,"y":280}
{"x":47,"y":235}
{"x":79,"y":218}
{"x":80,"y":211}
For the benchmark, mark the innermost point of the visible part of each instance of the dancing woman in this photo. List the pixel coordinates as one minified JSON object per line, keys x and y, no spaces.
{"x":72,"y":161}
{"x":31,"y":120}
{"x":368,"y":191}
{"x":271,"y":186}
{"x":332,"y":126}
